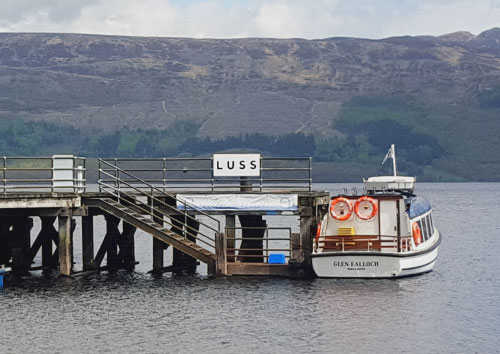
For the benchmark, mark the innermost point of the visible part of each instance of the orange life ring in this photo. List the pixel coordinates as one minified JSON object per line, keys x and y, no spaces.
{"x":342,"y":203}
{"x":371,"y":202}
{"x":417,"y":234}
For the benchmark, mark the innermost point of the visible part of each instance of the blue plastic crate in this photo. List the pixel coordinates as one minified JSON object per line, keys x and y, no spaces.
{"x":277,"y":258}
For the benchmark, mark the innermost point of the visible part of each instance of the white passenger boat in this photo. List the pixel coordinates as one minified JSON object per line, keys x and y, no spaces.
{"x":386,"y":232}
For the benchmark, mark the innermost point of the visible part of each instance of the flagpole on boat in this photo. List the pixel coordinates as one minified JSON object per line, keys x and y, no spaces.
{"x":394,"y":160}
{"x":391,"y":154}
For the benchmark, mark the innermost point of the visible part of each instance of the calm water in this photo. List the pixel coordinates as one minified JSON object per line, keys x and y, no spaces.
{"x":454,"y":309}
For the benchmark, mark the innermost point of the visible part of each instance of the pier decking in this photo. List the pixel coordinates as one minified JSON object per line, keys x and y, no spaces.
{"x":182,"y":203}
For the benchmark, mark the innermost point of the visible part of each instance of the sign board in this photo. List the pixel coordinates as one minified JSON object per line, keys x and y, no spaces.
{"x":236,"y":165}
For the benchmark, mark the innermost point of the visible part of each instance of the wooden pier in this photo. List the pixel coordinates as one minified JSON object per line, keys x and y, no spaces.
{"x":180,"y":203}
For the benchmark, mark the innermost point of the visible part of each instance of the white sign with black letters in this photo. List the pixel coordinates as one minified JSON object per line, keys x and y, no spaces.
{"x":247,"y":165}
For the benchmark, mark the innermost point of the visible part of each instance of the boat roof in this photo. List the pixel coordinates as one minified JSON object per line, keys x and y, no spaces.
{"x":388,"y":179}
{"x":388,"y":183}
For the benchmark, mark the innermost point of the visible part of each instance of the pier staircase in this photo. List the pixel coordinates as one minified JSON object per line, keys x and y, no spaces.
{"x":154,"y":211}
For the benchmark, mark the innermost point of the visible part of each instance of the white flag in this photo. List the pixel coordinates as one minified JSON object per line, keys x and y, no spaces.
{"x":389,"y":155}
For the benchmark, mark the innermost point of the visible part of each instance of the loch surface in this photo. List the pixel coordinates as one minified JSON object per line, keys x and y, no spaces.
{"x":454,"y":309}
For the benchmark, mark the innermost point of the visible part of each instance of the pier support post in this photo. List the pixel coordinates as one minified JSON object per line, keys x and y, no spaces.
{"x":188,"y":228}
{"x":5,"y":242}
{"x":253,"y":228}
{"x":230,"y":233}
{"x":21,"y":239}
{"x":48,"y":233}
{"x":297,"y":254}
{"x":158,"y":263}
{"x":220,"y":252}
{"x":65,"y":245}
{"x":112,"y":234}
{"x":127,"y":246}
{"x":88,"y":242}
{"x":307,"y":225}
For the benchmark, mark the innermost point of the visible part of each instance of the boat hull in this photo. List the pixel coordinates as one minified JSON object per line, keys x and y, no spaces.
{"x":373,"y":264}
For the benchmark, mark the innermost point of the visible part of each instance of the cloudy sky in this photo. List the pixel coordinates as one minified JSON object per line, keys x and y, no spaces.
{"x":250,"y":18}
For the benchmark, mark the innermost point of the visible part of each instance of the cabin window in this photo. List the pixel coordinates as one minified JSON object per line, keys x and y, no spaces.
{"x":425,"y":230}
{"x":429,"y":227}
{"x":432,"y":223}
{"x":422,"y":229}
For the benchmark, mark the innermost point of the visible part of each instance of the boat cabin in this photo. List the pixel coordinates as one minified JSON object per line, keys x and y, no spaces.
{"x":387,"y":218}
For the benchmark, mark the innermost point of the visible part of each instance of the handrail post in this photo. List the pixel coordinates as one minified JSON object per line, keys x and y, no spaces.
{"x":52,"y":168}
{"x":164,"y":174}
{"x":4,"y":175}
{"x":310,"y":174}
{"x":260,"y":173}
{"x":267,"y":244}
{"x":99,"y":180}
{"x":117,"y":181}
{"x":185,"y":221}
{"x":152,"y":204}
{"x":212,"y":180}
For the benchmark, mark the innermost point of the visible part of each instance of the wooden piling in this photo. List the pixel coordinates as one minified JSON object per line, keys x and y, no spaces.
{"x":65,"y":245}
{"x":230,"y":234}
{"x":112,"y":233}
{"x":48,"y":232}
{"x":127,"y":246}
{"x":21,"y":239}
{"x":5,"y":242}
{"x":307,"y":225}
{"x":88,"y":242}
{"x":253,"y":228}
{"x":297,"y":254}
{"x":220,"y":251}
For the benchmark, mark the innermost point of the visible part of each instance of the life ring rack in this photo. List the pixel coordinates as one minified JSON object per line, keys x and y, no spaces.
{"x":341,"y":216}
{"x":369,"y":200}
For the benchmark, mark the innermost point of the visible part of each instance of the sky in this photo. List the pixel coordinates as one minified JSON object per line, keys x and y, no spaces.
{"x":311,"y":19}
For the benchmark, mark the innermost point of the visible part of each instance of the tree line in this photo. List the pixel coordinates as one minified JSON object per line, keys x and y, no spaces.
{"x":361,"y":143}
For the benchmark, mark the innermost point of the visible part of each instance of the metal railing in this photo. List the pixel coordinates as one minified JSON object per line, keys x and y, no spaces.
{"x":256,"y":253}
{"x":276,"y":173}
{"x":365,"y":243}
{"x":129,"y":193}
{"x":42,"y":174}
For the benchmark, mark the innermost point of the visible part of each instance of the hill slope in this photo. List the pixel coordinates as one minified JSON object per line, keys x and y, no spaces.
{"x":438,"y":98}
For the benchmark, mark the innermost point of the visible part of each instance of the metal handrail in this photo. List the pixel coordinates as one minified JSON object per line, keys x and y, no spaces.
{"x":161,"y":192}
{"x":266,"y":251}
{"x":395,"y":239}
{"x":146,"y":209}
{"x":169,"y":177}
{"x":44,"y":179}
{"x":118,"y":192}
{"x":143,"y":193}
{"x":157,"y":213}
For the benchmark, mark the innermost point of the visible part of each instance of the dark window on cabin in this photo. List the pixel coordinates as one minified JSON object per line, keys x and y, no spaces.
{"x":432,"y":223}
{"x":424,"y":229}
{"x":429,"y":228}
{"x":422,"y":232}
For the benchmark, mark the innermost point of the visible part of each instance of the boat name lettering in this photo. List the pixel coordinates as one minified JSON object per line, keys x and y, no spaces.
{"x":356,"y":264}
